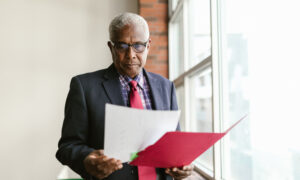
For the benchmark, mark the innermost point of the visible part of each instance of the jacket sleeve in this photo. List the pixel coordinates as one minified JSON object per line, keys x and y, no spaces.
{"x":72,"y":146}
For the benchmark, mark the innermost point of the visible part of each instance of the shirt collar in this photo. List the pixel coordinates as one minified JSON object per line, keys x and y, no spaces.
{"x":139,"y":79}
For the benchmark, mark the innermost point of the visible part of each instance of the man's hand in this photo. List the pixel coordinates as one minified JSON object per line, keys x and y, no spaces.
{"x":99,"y":165}
{"x":180,"y":173}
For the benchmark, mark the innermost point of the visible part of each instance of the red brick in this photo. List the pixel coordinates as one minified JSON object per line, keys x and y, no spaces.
{"x":146,"y":5}
{"x":163,"y":1}
{"x":146,"y":1}
{"x":156,"y":14}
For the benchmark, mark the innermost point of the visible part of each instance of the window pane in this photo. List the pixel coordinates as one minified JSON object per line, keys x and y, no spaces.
{"x":266,"y":145}
{"x":199,"y":31}
{"x":238,"y":159}
{"x":176,"y":45}
{"x":180,"y":101}
{"x":201,"y":110}
{"x":174,"y":4}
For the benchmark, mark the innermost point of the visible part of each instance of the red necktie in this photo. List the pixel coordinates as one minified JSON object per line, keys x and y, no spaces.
{"x":145,"y":172}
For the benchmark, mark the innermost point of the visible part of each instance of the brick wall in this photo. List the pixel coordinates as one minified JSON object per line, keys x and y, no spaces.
{"x":156,"y":14}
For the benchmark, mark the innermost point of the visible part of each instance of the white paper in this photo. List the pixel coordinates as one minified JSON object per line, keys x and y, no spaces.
{"x":130,"y":130}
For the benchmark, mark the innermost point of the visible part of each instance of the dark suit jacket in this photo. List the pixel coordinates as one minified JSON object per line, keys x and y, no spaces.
{"x":83,"y":127}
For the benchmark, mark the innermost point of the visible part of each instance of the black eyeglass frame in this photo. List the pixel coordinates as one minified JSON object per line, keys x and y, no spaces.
{"x":130,"y":45}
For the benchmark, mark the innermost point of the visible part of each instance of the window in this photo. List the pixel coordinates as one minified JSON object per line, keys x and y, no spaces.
{"x":263,"y":146}
{"x":200,"y":99}
{"x":177,"y":43}
{"x":229,"y":58}
{"x":199,"y":36}
{"x":237,"y":155}
{"x":190,"y":67}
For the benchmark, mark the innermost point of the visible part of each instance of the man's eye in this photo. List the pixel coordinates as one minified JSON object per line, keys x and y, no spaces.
{"x":122,"y":46}
{"x":139,"y":47}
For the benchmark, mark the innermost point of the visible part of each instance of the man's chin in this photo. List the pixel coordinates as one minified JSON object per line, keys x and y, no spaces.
{"x":132,"y":72}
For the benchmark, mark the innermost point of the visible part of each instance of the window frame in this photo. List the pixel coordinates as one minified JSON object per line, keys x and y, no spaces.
{"x":213,"y":61}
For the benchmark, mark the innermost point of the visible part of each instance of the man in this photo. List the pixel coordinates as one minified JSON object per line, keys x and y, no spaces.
{"x":82,"y":140}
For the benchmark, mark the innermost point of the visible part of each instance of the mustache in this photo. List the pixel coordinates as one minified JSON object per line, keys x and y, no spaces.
{"x":131,"y":63}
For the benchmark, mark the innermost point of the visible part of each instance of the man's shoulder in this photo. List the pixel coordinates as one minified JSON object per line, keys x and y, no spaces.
{"x":158,"y":77}
{"x":91,"y":75}
{"x":91,"y":78}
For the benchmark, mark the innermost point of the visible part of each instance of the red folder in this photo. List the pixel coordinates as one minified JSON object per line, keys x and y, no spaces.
{"x":176,"y":149}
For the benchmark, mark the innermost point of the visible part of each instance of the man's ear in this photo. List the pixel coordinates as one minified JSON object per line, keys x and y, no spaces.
{"x":111,"y":49}
{"x":148,"y":44}
{"x":109,"y":45}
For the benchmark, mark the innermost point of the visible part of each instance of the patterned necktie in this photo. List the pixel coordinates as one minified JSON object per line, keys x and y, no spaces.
{"x":145,"y":173}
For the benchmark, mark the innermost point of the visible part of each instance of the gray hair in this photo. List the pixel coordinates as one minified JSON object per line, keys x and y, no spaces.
{"x":126,"y":19}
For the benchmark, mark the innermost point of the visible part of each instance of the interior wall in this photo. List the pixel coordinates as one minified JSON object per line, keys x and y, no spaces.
{"x":42,"y":45}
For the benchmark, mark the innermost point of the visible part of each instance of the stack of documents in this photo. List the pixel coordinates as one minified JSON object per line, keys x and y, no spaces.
{"x":151,"y":137}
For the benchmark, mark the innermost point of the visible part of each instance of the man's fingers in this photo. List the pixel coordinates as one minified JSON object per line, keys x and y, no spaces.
{"x":101,"y":166}
{"x":101,"y":169}
{"x":119,"y":162}
{"x":188,"y":167}
{"x":93,"y":159}
{"x":100,"y":152}
{"x":120,"y":166}
{"x":105,"y":158}
{"x":105,"y":170}
{"x":110,"y":163}
{"x":167,"y":170}
{"x":114,"y":161}
{"x":180,"y":173}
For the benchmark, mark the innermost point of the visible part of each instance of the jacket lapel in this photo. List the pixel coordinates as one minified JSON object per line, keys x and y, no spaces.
{"x":156,"y":91}
{"x":113,"y":90}
{"x":112,"y":86}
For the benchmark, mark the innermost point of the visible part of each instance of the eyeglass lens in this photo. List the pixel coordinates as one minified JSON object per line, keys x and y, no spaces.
{"x":138,"y":47}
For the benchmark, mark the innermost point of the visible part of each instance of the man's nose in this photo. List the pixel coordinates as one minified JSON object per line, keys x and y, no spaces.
{"x":130,"y":53}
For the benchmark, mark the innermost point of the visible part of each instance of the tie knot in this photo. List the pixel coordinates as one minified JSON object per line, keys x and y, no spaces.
{"x":133,"y":83}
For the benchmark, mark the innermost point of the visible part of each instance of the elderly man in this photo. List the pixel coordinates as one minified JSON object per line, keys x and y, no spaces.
{"x":124,"y":83}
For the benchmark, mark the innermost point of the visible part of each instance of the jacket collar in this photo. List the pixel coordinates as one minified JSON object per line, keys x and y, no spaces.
{"x":112,"y":88}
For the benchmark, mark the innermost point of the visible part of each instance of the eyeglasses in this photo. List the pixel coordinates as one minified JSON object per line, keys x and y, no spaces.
{"x":123,"y":47}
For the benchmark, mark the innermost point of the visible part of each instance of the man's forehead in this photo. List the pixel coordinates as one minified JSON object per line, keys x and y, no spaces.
{"x":132,"y":33}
